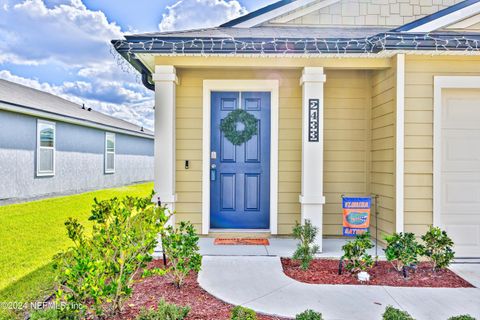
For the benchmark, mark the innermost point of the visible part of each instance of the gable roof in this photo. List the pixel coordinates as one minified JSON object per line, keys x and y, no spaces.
{"x":443,"y":18}
{"x":17,"y":97}
{"x":264,"y":14}
{"x":286,"y":10}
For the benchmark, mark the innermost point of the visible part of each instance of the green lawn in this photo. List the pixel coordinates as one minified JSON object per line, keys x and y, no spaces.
{"x":31,"y":233}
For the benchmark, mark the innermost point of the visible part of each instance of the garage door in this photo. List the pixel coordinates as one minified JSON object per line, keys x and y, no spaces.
{"x":460,"y":169}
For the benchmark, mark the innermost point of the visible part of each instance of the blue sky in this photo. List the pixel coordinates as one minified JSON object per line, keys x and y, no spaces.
{"x":62,"y":46}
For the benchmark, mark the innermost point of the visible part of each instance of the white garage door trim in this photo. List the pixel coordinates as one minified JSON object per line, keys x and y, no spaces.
{"x":440,"y":83}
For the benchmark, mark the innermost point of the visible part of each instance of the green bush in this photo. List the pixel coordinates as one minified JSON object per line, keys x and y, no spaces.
{"x":306,"y":249}
{"x":242,"y":313}
{"x":97,"y":272}
{"x":402,"y":250}
{"x":438,"y":248}
{"x":462,"y":317}
{"x":180,"y":245}
{"x":165,"y":311}
{"x":355,"y":253}
{"x":309,"y":315}
{"x":394,"y":314}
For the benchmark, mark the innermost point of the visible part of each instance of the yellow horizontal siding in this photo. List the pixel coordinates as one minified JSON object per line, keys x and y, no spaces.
{"x":346,"y":144}
{"x":419,"y":77}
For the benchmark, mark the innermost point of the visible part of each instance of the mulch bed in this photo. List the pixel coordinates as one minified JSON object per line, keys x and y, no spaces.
{"x":148,"y":291}
{"x":325,"y":271}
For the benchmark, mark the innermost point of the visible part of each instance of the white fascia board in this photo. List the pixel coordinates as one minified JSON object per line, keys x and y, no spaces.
{"x":273,"y":14}
{"x":463,"y":24}
{"x":67,"y":119}
{"x":448,"y":19}
{"x":305,"y":11}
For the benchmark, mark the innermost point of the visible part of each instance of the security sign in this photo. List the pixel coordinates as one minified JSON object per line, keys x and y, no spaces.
{"x":356,"y":215}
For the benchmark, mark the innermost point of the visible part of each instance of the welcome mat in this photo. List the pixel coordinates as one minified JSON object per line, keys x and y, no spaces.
{"x":239,"y":241}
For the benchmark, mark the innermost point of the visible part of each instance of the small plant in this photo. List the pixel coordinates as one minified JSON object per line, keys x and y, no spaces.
{"x":462,"y":317}
{"x":394,"y":314}
{"x":181,"y":248}
{"x":309,"y":315}
{"x":242,"y":313}
{"x":306,"y":249}
{"x":96,"y":274}
{"x":438,"y":248}
{"x":355,"y":253}
{"x":402,"y":250}
{"x":165,"y":311}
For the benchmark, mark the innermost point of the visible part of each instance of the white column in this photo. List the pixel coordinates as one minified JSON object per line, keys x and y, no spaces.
{"x":165,"y":82}
{"x":312,"y":198}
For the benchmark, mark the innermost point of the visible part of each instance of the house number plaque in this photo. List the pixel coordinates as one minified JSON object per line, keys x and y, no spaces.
{"x":313,"y":114}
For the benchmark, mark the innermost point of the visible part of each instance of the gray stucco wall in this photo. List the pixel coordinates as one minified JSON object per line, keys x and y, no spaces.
{"x":79,"y":159}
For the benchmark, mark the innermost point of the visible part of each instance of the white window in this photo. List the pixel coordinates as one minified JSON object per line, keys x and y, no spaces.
{"x":109,"y":152}
{"x":45,"y":148}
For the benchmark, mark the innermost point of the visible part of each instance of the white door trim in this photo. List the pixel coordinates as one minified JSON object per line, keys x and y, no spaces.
{"x":440,"y":83}
{"x":240,"y":85}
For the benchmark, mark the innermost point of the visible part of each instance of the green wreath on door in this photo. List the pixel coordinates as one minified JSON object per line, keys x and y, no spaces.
{"x":229,"y":126}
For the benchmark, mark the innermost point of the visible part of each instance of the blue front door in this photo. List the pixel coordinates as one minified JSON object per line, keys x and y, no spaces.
{"x":240,"y":175}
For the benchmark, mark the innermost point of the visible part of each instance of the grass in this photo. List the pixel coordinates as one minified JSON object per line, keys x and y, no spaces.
{"x":31,"y":233}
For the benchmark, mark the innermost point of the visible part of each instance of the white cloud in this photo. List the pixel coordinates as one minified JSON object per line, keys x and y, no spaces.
{"x":193,"y":14}
{"x":68,"y":33}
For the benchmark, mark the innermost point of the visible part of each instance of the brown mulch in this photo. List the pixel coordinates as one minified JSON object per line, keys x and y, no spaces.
{"x":148,"y":291}
{"x":325,"y":271}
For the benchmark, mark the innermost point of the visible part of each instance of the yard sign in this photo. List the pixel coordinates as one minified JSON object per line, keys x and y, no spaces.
{"x":356,"y":215}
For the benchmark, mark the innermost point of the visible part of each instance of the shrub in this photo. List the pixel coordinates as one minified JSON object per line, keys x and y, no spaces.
{"x":306,"y":249}
{"x":462,"y":317}
{"x":402,"y":250}
{"x":165,"y":311}
{"x":97,"y":272}
{"x":438,"y":248}
{"x":180,"y":245}
{"x":242,"y":313}
{"x":309,"y":315}
{"x":394,"y":314}
{"x":355,"y":253}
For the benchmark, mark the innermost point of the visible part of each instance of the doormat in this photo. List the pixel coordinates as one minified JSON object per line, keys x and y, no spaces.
{"x":239,"y":241}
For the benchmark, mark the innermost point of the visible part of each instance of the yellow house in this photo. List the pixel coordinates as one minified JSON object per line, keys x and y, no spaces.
{"x":348,"y":97}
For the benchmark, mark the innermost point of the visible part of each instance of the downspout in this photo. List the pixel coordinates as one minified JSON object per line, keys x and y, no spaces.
{"x":145,"y":79}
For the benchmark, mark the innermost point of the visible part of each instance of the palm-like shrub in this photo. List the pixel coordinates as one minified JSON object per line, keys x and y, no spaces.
{"x":306,"y":249}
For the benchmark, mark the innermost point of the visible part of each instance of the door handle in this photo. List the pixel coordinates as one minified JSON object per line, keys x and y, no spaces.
{"x":213,"y":172}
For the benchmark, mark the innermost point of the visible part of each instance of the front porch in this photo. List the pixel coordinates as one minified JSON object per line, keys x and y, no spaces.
{"x":357,"y":149}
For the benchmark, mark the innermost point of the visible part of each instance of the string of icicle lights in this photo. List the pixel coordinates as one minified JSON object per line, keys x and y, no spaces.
{"x":369,"y":45}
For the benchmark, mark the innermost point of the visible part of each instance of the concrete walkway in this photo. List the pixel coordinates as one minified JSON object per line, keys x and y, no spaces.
{"x":258,"y":282}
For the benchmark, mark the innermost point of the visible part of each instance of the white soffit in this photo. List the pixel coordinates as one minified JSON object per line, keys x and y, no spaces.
{"x":304,"y":11}
{"x":270,"y":15}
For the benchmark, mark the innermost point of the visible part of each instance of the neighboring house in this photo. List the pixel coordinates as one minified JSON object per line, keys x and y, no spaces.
{"x":49,"y":145}
{"x":397,"y":84}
